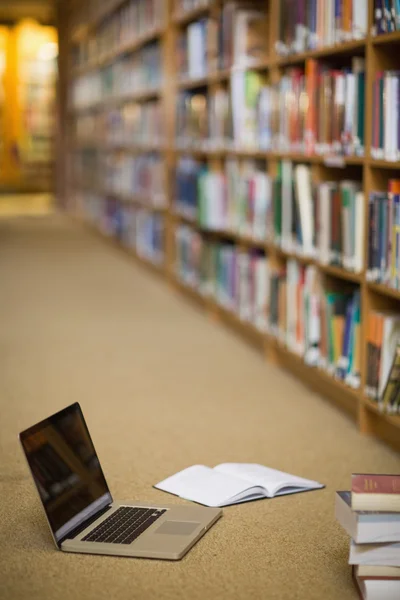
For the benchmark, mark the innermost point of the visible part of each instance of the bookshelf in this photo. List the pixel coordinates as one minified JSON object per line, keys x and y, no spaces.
{"x":372,"y":174}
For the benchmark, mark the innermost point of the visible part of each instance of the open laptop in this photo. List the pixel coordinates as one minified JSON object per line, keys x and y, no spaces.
{"x":82,"y":515}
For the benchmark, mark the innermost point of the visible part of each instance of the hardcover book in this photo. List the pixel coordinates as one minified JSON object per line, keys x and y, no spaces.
{"x":375,"y":492}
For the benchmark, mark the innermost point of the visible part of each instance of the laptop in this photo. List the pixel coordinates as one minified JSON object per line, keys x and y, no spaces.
{"x":82,"y":515}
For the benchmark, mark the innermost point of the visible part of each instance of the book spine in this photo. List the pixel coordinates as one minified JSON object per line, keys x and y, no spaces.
{"x":375,"y":484}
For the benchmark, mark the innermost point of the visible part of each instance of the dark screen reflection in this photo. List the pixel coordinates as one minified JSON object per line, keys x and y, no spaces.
{"x":66,"y":469}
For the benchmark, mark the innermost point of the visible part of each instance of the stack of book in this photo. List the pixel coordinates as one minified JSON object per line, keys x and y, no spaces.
{"x":370,"y":514}
{"x":386,"y":16}
{"x":383,"y":360}
{"x":385,"y":123}
{"x":307,"y":25}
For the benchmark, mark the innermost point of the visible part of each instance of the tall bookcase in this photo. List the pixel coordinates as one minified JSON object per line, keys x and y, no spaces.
{"x":379,"y":52}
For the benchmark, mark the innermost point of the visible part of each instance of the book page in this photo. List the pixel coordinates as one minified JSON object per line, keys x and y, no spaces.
{"x":273,"y":481}
{"x":205,"y":486}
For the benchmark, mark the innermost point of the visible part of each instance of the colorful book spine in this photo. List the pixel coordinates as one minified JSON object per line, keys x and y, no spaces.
{"x":236,"y":200}
{"x":136,"y":228}
{"x":383,"y":338}
{"x":362,"y":483}
{"x":235,"y":279}
{"x":386,"y":16}
{"x":324,"y":220}
{"x":307,"y":25}
{"x":386,"y":124}
{"x":383,"y":238}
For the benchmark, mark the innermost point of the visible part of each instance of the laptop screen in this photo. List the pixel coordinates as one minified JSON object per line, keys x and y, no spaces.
{"x":66,"y":470}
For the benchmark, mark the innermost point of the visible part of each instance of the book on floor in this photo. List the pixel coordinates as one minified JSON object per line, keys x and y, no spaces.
{"x":366,"y":526}
{"x":385,"y":555}
{"x":375,"y":492}
{"x":232,"y":483}
{"x":378,"y":586}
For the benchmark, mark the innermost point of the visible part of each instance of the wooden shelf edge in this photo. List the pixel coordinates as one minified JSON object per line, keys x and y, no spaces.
{"x":268,"y":155}
{"x":191,"y":15}
{"x":385,"y":38}
{"x":383,"y":164}
{"x":333,"y":50}
{"x":334,"y":271}
{"x":117,"y":101}
{"x":373,"y":407}
{"x":384,"y":290}
{"x":113,"y":147}
{"x":133,"y":199}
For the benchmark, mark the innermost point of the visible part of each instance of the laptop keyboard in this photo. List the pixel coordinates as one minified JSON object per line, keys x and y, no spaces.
{"x":124,"y":525}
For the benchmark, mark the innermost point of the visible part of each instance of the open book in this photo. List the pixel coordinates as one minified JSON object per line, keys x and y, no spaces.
{"x":231,"y":483}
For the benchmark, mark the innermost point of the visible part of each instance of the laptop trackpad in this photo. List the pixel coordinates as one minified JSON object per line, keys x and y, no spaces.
{"x":177,"y":527}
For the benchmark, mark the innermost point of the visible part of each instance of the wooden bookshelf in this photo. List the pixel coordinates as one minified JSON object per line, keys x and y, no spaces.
{"x":377,"y":51}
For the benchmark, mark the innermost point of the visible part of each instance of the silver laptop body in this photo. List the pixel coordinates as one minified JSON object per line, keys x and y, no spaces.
{"x":81,"y":513}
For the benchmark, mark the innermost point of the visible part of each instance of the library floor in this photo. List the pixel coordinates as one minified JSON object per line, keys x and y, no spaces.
{"x":162,"y":388}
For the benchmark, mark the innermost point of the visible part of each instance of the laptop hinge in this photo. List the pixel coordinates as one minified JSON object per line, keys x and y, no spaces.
{"x":82,"y":526}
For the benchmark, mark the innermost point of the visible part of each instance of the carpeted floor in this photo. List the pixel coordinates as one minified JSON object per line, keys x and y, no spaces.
{"x":162,"y":388}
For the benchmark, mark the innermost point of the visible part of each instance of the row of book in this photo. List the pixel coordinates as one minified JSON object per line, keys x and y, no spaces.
{"x":125,"y":78}
{"x":132,"y":20}
{"x":384,"y":236}
{"x":134,"y":227}
{"x":141,"y":176}
{"x":383,"y":360}
{"x":386,"y":122}
{"x":370,"y":515}
{"x":235,"y":279}
{"x":316,"y":110}
{"x":316,"y":322}
{"x":386,"y":16}
{"x":322,"y":220}
{"x":310,"y":24}
{"x":236,"y":39}
{"x":290,"y":302}
{"x":128,"y":125}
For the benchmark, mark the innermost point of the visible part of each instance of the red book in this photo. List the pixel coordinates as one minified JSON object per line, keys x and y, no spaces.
{"x":375,"y":492}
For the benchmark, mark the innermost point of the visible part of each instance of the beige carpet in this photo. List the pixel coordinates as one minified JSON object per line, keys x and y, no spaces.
{"x":162,"y":388}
